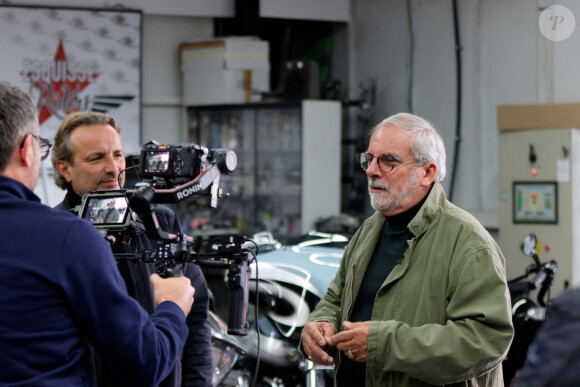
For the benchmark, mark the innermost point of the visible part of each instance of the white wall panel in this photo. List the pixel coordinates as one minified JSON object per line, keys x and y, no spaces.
{"x":210,"y":8}
{"x":328,"y":10}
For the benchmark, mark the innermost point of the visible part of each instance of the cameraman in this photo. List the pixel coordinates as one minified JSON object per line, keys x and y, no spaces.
{"x":88,"y":155}
{"x":59,"y":287}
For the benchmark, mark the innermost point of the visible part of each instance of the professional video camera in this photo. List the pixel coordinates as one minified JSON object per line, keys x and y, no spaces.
{"x":176,"y":164}
{"x":170,"y":174}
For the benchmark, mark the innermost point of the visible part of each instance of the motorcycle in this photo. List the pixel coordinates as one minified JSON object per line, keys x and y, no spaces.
{"x":528,"y":314}
{"x":226,"y":352}
{"x":288,"y":282}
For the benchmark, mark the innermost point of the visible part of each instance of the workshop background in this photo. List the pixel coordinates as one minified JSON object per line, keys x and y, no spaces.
{"x":452,"y":62}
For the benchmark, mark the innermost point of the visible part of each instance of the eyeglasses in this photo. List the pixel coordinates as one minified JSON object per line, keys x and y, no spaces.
{"x":44,"y":145}
{"x":386,"y":161}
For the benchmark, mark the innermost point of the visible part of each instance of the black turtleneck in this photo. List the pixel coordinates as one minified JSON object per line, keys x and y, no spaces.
{"x":72,"y":199}
{"x":389,"y":251}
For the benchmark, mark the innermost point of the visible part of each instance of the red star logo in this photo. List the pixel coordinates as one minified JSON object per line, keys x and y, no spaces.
{"x":60,"y":92}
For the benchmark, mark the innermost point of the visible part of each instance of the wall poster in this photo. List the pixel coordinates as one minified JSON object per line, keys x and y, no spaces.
{"x":74,"y":59}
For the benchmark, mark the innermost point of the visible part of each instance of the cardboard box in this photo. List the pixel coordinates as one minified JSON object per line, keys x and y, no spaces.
{"x":241,"y":53}
{"x":540,"y":116}
{"x":229,"y":70}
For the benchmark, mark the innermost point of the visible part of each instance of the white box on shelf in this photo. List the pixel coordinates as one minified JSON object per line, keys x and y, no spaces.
{"x":222,"y":86}
{"x":227,"y":70}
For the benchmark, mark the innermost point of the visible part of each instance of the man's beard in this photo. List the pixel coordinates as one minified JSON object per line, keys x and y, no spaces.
{"x":388,"y":200}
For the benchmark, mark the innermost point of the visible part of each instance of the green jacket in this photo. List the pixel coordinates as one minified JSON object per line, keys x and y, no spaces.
{"x":106,"y":217}
{"x":442,"y":316}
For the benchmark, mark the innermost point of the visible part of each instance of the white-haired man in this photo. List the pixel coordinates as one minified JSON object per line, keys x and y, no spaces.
{"x":420,"y":297}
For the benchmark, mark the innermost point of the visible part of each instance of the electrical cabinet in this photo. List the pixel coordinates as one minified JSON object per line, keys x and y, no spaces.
{"x":539,"y":182}
{"x":288,"y":173}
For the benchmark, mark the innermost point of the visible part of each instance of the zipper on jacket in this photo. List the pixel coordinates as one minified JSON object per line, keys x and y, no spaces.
{"x":349,"y":309}
{"x":353,"y":278}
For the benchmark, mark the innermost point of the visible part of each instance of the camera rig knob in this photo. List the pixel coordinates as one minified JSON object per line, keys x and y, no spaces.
{"x":225,"y":159}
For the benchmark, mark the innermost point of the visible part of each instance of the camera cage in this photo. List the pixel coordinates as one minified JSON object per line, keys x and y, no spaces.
{"x":171,"y":165}
{"x":188,"y":171}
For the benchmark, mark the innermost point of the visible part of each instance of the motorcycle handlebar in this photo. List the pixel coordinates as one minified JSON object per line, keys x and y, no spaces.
{"x":538,"y":279}
{"x":523,"y":285}
{"x":544,"y":279}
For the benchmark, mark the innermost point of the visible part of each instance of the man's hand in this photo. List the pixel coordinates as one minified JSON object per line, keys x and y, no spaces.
{"x":353,"y":341}
{"x":175,"y":289}
{"x":314,"y":338}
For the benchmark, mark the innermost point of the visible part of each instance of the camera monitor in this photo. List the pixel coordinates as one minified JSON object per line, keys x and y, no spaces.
{"x":157,"y":162}
{"x":106,"y":209}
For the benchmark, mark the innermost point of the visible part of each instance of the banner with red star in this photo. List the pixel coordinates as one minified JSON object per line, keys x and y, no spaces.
{"x":75,"y":59}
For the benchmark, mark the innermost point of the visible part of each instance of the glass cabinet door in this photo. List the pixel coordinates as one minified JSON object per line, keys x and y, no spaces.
{"x":278,"y":171}
{"x":265,"y":191}
{"x":232,"y":129}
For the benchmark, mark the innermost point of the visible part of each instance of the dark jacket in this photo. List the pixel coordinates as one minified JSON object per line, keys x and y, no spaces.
{"x":60,"y":291}
{"x":195,"y":368}
{"x":553,"y":358}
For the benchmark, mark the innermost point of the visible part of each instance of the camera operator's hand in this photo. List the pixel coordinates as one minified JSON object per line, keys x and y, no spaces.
{"x":175,"y":289}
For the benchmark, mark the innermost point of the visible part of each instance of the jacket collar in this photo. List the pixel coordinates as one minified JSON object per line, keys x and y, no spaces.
{"x":72,"y":199}
{"x":436,"y":200}
{"x":16,"y":189}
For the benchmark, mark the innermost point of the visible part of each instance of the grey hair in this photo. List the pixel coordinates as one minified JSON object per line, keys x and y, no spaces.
{"x":426,"y":145}
{"x":17,"y":119}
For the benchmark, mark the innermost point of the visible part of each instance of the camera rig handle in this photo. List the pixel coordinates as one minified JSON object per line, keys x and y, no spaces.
{"x":194,"y":188}
{"x":142,"y":198}
{"x":169,"y":259}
